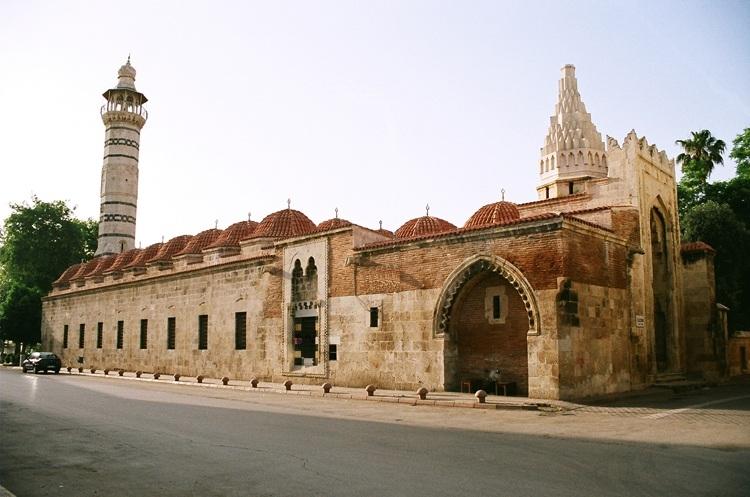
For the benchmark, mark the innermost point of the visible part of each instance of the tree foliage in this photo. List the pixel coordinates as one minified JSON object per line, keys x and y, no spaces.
{"x":741,"y":154}
{"x":700,"y":154}
{"x":38,"y":242}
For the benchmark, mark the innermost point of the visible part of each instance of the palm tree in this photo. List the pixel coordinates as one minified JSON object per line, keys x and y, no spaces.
{"x":701,"y":153}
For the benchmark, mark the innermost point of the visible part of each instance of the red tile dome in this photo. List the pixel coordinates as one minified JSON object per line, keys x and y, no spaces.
{"x":167,"y":250}
{"x":333,"y":224}
{"x":497,"y":213}
{"x":123,"y":259}
{"x":200,"y":241}
{"x":284,"y":224}
{"x":67,"y":274}
{"x":231,"y":236}
{"x":85,"y":268}
{"x":425,"y":225}
{"x":103,"y":263}
{"x":144,"y":255}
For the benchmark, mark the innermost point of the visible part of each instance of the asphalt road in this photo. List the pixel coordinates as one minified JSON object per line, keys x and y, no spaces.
{"x":80,"y":436}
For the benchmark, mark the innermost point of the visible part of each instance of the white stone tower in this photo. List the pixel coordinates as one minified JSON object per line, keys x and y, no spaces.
{"x":123,"y":117}
{"x":573,"y":150}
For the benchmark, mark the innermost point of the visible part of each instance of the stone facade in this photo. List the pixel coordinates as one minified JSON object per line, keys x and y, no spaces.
{"x":579,"y":294}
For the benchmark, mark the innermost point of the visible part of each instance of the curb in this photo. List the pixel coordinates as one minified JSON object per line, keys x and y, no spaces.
{"x":406,"y":400}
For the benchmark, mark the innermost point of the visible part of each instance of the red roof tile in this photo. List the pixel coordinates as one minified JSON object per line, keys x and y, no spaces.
{"x":167,"y":250}
{"x":103,"y":264}
{"x":498,"y":212}
{"x":333,"y":224}
{"x":143,"y":256}
{"x":231,"y":236}
{"x":200,"y":241}
{"x":123,"y":259}
{"x":67,"y":274}
{"x":284,"y":224}
{"x":425,"y":225}
{"x":689,"y":247}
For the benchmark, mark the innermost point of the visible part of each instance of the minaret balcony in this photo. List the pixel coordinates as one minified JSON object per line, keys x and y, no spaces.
{"x":134,"y":114}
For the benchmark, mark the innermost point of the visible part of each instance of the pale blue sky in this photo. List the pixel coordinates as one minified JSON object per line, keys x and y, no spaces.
{"x":376,"y":108}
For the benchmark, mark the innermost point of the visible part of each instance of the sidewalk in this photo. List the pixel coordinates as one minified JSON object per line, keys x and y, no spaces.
{"x":439,"y":399}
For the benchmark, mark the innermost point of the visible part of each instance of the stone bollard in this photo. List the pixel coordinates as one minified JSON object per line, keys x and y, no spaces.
{"x":254,"y":382}
{"x":480,"y":395}
{"x":69,"y":369}
{"x":121,"y":372}
{"x":80,"y":369}
{"x":93,"y":370}
{"x":327,"y":387}
{"x":106,"y":372}
{"x":288,"y":384}
{"x":176,"y":377}
{"x":199,"y":378}
{"x":370,"y":390}
{"x":225,"y":380}
{"x":422,"y":392}
{"x":156,"y":376}
{"x":138,"y":374}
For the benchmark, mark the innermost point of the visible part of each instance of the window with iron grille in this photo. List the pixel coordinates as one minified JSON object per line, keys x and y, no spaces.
{"x":203,"y":332}
{"x":120,"y":333}
{"x":240,"y":330}
{"x":65,"y":336}
{"x":374,"y":317}
{"x":144,"y":333}
{"x":81,"y":335}
{"x":99,"y":335}
{"x":171,"y":330}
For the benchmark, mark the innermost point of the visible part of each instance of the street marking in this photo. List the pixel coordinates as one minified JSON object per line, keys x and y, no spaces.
{"x":696,"y":406}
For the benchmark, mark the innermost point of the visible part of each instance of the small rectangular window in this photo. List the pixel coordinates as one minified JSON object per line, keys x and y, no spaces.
{"x":333,"y":352}
{"x":120,"y":333}
{"x":81,"y":335}
{"x":496,"y":307}
{"x":171,"y":330}
{"x":99,"y":335}
{"x":144,"y":333}
{"x":65,"y":336}
{"x":240,"y":330}
{"x":570,"y":188}
{"x":203,"y":332}
{"x":373,"y":317}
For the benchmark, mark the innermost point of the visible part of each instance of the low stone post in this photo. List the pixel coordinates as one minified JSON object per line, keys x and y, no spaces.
{"x":327,"y":387}
{"x":138,"y":374}
{"x":176,"y":377}
{"x":481,"y":395}
{"x":156,"y":376}
{"x":199,"y":378}
{"x":422,"y":392}
{"x":80,"y":369}
{"x":69,"y":369}
{"x":288,"y":384}
{"x":121,"y":372}
{"x":254,"y":382}
{"x":370,"y":389}
{"x":225,"y":380}
{"x":93,"y":370}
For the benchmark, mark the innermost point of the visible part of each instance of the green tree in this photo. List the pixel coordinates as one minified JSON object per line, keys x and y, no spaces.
{"x":701,"y":153}
{"x":717,"y":225}
{"x":741,"y":153}
{"x":38,"y":242}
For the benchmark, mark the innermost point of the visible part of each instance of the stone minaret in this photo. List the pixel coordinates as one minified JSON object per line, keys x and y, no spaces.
{"x":123,"y":117}
{"x":573,"y":150}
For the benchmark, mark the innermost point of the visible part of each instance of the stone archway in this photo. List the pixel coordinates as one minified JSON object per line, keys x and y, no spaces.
{"x":485,"y":312}
{"x":663,"y":327}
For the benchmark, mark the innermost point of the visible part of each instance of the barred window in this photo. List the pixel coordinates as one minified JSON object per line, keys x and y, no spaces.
{"x":65,"y":336}
{"x":203,"y":332}
{"x":81,"y":335}
{"x":240,"y":330}
{"x":171,"y":330}
{"x":120,"y":333}
{"x":99,"y":334}
{"x":144,"y":333}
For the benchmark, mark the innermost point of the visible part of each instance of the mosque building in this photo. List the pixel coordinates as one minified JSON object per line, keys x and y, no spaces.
{"x":585,"y":292}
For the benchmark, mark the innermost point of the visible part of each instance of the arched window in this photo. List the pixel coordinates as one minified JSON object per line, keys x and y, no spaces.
{"x":580,"y":158}
{"x":591,"y":159}
{"x":297,"y":280}
{"x":552,"y":162}
{"x":541,"y":167}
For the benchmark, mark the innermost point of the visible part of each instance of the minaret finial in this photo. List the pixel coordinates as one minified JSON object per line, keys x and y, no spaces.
{"x":381,"y":224}
{"x":337,"y":212}
{"x":248,"y":215}
{"x":427,"y":208}
{"x":216,"y":224}
{"x":128,"y":59}
{"x":502,"y":194}
{"x":289,"y":203}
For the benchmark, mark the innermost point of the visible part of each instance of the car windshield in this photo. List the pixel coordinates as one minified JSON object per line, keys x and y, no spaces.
{"x":46,"y":354}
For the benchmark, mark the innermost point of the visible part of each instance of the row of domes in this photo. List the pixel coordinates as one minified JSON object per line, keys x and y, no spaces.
{"x":281,"y":224}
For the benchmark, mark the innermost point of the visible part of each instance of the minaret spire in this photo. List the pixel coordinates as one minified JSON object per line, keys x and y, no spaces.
{"x":573,"y":149}
{"x":123,"y":116}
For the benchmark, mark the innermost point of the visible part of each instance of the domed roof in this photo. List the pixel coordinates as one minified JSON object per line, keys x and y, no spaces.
{"x":332,"y":224}
{"x":167,"y":250}
{"x":67,"y":274}
{"x":123,"y":259}
{"x":103,"y":263}
{"x":85,"y":268}
{"x":497,"y":213}
{"x":200,"y":241}
{"x":126,"y":76}
{"x":425,"y":225}
{"x":284,"y":224}
{"x":144,"y":255}
{"x":384,"y":231}
{"x":231,"y":236}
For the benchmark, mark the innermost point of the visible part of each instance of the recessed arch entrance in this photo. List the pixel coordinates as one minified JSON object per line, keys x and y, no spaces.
{"x":485,"y":314}
{"x":662,"y":291}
